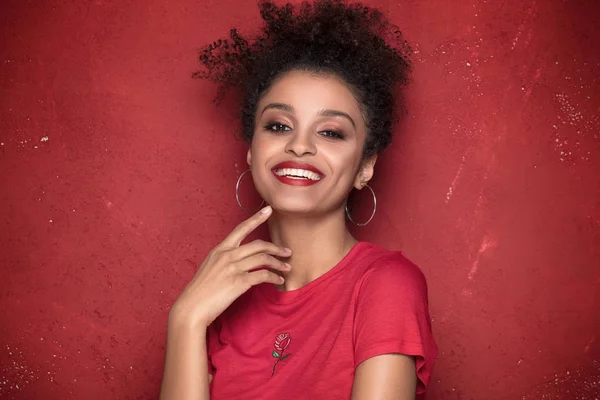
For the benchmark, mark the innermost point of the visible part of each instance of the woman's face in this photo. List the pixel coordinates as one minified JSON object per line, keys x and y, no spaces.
{"x":306,"y":152}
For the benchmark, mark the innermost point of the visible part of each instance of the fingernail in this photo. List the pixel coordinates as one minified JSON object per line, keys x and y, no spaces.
{"x":288,"y":265}
{"x":287,"y":250}
{"x":281,"y":279}
{"x":265,"y":210}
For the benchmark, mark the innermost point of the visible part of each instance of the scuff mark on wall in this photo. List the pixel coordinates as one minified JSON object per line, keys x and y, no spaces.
{"x":589,"y":344}
{"x":455,"y":180}
{"x":526,"y":25}
{"x":487,"y":243}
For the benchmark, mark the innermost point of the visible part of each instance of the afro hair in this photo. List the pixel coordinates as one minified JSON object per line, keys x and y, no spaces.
{"x":351,"y":41}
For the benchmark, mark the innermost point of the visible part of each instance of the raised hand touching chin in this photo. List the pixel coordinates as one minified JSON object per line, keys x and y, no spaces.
{"x":228,"y":271}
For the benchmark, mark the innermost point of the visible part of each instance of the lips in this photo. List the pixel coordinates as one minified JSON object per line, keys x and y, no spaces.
{"x":297,"y":174}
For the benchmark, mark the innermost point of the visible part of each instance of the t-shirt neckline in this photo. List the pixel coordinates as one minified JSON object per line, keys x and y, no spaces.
{"x":274,"y":295}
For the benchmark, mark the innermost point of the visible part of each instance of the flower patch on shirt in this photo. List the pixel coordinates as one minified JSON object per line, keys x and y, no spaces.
{"x":282,"y":342}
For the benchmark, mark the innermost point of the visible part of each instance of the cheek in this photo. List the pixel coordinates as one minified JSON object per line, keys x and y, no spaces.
{"x":262,"y":150}
{"x":345,"y":163}
{"x":258,"y":151}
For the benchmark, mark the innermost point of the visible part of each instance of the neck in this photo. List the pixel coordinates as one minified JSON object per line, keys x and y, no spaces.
{"x":317,"y":243}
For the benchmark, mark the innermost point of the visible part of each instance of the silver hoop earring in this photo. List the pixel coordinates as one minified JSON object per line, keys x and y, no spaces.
{"x":237,"y":193}
{"x":372,"y":214}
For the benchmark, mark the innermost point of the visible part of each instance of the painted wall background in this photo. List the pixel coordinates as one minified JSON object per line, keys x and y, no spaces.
{"x":117,"y":175}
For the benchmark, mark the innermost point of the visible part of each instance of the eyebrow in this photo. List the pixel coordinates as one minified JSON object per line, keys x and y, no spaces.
{"x":336,"y":113}
{"x":278,"y":106}
{"x":322,"y":113}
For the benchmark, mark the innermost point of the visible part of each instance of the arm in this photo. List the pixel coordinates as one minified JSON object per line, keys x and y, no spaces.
{"x":227,"y":272}
{"x":182,"y":374}
{"x":385,"y":377}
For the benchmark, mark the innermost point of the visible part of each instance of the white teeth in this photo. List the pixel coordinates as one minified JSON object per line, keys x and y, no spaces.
{"x":297,"y":174}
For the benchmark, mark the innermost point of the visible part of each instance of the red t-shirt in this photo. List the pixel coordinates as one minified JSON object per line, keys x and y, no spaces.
{"x":307,"y":343}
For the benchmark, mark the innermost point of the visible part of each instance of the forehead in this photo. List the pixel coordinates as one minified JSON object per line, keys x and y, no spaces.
{"x":312,"y":92}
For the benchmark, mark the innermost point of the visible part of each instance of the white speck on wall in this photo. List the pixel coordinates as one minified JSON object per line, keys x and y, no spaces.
{"x":583,"y":383}
{"x":449,"y":194}
{"x":19,"y":374}
{"x":49,"y":221}
{"x":44,"y":139}
{"x":572,"y":122}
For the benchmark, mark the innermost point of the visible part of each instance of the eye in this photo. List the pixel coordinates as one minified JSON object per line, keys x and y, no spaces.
{"x":332,"y":134}
{"x":277,"y":127}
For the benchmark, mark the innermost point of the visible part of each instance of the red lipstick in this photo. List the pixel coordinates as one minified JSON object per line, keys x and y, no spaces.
{"x":297,"y":174}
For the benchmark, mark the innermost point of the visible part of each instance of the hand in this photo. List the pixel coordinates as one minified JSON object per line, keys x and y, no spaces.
{"x":228,"y":272}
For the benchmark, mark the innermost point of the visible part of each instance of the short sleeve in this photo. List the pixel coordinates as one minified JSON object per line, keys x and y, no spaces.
{"x":392,"y":316}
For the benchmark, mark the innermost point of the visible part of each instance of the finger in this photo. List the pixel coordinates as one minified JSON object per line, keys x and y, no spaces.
{"x":260,"y":246}
{"x":245,"y":228}
{"x":261,"y":260}
{"x":263,"y":276}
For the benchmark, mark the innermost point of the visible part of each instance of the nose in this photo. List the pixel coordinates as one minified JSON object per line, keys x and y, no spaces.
{"x":301,"y":144}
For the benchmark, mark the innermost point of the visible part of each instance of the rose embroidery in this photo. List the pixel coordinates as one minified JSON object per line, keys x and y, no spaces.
{"x":282,"y":341}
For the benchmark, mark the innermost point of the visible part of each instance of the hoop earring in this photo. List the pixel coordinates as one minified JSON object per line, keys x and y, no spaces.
{"x":372,"y":214}
{"x":237,"y":193}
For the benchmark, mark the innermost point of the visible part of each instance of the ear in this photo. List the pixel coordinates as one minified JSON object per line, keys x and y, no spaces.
{"x":249,"y":157}
{"x":365,"y":172}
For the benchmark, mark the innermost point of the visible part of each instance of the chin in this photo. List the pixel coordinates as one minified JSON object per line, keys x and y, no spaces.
{"x":294,"y":205}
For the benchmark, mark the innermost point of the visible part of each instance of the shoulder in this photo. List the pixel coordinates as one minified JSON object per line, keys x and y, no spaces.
{"x":388,"y":267}
{"x":391,"y":276}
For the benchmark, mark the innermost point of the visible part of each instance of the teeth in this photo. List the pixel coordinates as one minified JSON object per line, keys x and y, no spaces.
{"x":297,"y":174}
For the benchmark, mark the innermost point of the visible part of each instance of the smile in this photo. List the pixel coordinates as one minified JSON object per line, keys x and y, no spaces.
{"x":297,"y":174}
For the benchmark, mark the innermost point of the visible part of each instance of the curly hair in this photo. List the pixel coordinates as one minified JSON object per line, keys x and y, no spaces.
{"x":331,"y":37}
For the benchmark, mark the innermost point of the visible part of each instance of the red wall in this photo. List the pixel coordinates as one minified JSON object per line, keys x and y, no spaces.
{"x":117,"y":175}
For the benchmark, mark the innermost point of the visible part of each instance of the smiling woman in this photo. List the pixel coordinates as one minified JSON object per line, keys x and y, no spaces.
{"x":311,"y":313}
{"x":314,"y":135}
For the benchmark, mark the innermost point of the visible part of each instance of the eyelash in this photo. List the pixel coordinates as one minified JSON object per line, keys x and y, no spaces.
{"x":332,"y":134}
{"x":278,"y":127}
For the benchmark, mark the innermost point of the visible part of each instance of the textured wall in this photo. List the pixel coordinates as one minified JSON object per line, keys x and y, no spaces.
{"x":117,"y":175}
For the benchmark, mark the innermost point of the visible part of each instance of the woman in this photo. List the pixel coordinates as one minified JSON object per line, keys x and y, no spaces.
{"x":312,"y":313}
